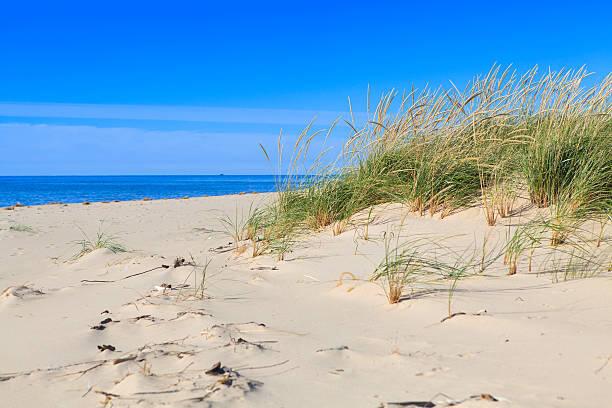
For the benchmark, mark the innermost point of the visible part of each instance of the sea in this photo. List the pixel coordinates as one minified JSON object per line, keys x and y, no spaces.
{"x":36,"y":190}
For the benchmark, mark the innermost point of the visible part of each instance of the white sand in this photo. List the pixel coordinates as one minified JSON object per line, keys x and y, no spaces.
{"x":291,"y":335}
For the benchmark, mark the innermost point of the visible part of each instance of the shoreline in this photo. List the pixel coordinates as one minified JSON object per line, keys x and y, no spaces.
{"x":42,"y":190}
{"x":144,"y":199}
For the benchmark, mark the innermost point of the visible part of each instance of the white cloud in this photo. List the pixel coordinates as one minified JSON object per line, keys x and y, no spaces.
{"x":166,"y":113}
{"x":29,"y":149}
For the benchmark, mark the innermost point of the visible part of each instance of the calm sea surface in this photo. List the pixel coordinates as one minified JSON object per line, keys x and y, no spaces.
{"x":32,"y":190}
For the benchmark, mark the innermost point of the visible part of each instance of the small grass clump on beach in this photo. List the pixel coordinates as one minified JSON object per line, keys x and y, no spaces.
{"x":199,"y":284}
{"x":547,"y":137}
{"x":561,"y":247}
{"x":254,"y":228}
{"x":235,"y":226}
{"x":101,"y":240}
{"x":21,"y":228}
{"x":417,"y":261}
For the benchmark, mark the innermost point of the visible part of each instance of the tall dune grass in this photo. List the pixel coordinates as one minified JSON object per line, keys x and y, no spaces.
{"x":439,"y":150}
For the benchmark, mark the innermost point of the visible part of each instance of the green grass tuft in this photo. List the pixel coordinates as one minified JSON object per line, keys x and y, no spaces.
{"x":21,"y":228}
{"x":101,"y":240}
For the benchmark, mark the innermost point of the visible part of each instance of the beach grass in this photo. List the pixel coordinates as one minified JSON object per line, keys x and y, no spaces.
{"x":418,"y":260}
{"x":100,"y":241}
{"x":546,"y":136}
{"x":21,"y":228}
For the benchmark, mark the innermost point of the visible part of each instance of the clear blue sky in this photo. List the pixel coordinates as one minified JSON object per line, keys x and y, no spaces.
{"x":193,"y":86}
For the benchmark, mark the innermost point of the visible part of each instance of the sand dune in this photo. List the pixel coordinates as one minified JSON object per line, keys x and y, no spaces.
{"x":291,"y":333}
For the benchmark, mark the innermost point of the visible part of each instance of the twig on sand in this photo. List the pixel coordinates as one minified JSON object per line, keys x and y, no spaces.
{"x":87,"y":392}
{"x":339,"y":348}
{"x":413,"y":404}
{"x":178,"y":262}
{"x":156,"y":392}
{"x":264,"y":268}
{"x":107,"y":394}
{"x":604,"y":364}
{"x":126,"y":277}
{"x":452,"y":315}
{"x":142,"y":273}
{"x":479,"y":313}
{"x":447,"y":403}
{"x":222,"y":249}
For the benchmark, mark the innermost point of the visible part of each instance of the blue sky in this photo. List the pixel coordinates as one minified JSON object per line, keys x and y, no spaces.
{"x":192,"y":87}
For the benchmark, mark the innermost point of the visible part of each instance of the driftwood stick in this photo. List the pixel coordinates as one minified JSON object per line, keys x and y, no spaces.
{"x":452,"y":315}
{"x":126,"y":277}
{"x":142,"y":273}
{"x":480,"y":313}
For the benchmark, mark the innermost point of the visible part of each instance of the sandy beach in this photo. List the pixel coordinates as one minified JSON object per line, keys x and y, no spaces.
{"x":310,"y":330}
{"x":331,"y":204}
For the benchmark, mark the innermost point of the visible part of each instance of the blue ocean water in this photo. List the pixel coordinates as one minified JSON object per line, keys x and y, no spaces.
{"x":33,"y":190}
